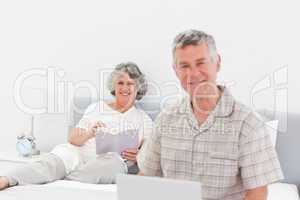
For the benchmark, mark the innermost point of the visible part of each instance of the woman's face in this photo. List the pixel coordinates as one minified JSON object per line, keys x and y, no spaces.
{"x":125,"y":89}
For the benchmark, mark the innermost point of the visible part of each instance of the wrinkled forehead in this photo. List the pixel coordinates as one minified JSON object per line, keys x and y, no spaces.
{"x":192,"y":52}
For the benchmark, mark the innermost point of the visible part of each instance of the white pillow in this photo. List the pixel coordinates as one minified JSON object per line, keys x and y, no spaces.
{"x":50,"y":130}
{"x":272,"y":127}
{"x":282,"y":191}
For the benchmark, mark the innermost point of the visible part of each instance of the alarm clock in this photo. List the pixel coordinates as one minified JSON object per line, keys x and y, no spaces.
{"x":26,"y":146}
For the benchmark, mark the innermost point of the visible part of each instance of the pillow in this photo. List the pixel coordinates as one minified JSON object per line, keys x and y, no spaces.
{"x":280,"y":191}
{"x":272,"y":127}
{"x":50,"y":130}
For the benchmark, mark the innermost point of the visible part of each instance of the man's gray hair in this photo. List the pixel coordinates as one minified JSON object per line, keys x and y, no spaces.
{"x":134,"y":73}
{"x":195,"y":37}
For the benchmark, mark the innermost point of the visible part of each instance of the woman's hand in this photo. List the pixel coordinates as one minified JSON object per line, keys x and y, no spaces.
{"x":130,"y":154}
{"x":79,"y":136}
{"x":92,"y":128}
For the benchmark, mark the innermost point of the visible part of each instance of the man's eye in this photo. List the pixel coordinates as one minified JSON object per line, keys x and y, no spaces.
{"x":184,"y":66}
{"x":199,"y":64}
{"x":120,"y":83}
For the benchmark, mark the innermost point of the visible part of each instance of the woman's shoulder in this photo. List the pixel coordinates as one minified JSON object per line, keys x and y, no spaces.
{"x":142,"y":113}
{"x":97,"y":106}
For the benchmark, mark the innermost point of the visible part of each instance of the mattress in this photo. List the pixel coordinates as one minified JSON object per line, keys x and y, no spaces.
{"x":283,"y":191}
{"x":60,"y":190}
{"x":82,"y":191}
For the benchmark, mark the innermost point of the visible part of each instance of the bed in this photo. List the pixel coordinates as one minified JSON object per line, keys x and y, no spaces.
{"x":78,"y":191}
{"x":61,"y":189}
{"x":287,"y":142}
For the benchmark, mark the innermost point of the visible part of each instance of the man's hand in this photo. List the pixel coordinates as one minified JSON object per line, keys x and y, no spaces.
{"x":130,"y":154}
{"x":260,"y":193}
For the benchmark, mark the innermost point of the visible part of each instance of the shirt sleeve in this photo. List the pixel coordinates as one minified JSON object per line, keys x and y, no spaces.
{"x":86,"y":118}
{"x":146,"y":126}
{"x":149,"y":158}
{"x":258,"y":161}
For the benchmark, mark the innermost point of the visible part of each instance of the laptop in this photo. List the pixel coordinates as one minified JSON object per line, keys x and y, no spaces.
{"x":133,"y":187}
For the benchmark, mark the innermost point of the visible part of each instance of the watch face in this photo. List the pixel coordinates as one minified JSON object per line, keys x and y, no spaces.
{"x":24,"y":147}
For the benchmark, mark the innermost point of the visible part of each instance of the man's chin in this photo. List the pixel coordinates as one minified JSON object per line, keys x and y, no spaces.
{"x":203,"y":94}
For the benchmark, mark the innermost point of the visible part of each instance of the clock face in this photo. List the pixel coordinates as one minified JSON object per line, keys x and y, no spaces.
{"x":24,"y":147}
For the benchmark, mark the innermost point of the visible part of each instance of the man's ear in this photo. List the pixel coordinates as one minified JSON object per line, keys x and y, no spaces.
{"x":218,"y":63}
{"x":174,"y":68}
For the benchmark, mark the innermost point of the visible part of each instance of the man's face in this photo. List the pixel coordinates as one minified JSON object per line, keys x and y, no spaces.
{"x":196,"y":70}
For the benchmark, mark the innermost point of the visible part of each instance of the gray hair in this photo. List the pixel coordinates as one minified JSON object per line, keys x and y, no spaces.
{"x":134,"y":73}
{"x":195,"y":37}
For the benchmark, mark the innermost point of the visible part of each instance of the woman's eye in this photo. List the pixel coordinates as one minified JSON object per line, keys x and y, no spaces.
{"x":120,"y":83}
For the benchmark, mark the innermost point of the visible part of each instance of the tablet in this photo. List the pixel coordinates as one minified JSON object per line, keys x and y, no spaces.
{"x":107,"y":142}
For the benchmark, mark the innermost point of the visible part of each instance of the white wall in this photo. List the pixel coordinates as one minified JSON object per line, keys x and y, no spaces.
{"x":255,"y":39}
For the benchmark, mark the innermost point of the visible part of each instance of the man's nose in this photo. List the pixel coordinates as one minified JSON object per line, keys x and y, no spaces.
{"x":193,"y":72}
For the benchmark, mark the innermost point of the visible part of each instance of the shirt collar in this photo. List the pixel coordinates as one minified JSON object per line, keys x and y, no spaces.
{"x":225,"y":104}
{"x":223,"y":108}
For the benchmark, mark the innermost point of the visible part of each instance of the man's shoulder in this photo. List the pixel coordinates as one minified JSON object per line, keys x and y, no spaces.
{"x":172,"y":111}
{"x":246,"y":115}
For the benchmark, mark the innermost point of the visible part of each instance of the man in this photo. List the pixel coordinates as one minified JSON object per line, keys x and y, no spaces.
{"x":209,"y":136}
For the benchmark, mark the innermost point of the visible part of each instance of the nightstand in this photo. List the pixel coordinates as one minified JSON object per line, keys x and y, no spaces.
{"x":11,"y":160}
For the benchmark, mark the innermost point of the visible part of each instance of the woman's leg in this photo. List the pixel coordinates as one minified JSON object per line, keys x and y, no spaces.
{"x":102,"y":170}
{"x":48,"y":169}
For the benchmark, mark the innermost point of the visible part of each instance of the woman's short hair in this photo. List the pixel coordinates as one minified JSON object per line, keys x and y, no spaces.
{"x":134,"y":73}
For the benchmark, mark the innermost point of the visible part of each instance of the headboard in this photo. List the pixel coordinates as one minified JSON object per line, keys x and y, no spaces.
{"x":288,"y":138}
{"x":288,"y":144}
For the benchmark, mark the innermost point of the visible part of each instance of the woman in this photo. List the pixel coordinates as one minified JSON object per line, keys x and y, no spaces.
{"x":77,"y":160}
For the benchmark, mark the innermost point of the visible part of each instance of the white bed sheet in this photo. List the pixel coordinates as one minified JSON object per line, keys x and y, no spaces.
{"x":283,"y":191}
{"x":71,"y":190}
{"x":66,"y":190}
{"x":78,"y":185}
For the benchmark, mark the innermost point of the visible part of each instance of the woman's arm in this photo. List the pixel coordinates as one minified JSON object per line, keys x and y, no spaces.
{"x":79,"y":136}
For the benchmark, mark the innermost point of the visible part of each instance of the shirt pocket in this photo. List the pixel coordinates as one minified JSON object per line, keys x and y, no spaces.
{"x":222,"y":169}
{"x":176,"y":163}
{"x":223,"y":156}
